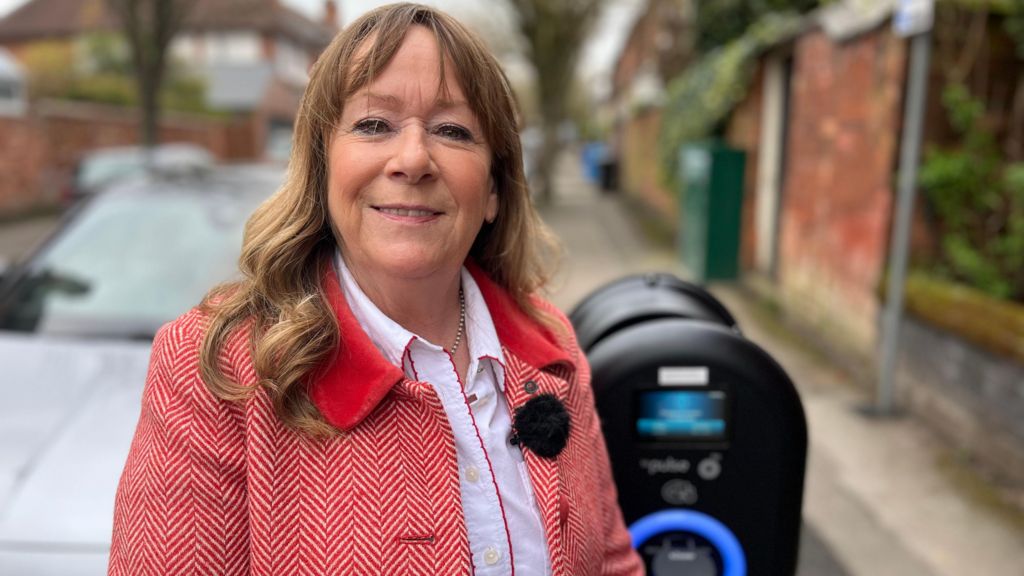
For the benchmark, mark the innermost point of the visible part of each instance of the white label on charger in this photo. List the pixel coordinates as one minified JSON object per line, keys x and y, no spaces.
{"x":683,"y":376}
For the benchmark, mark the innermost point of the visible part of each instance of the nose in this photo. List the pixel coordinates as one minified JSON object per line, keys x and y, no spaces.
{"x":411,"y":161}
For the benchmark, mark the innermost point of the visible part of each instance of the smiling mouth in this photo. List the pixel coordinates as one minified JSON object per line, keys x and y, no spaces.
{"x":407,"y":212}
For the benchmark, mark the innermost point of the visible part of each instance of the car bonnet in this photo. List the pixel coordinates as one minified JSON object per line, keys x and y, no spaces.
{"x":66,"y":421}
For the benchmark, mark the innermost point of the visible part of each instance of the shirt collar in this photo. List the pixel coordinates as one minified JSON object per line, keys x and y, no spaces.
{"x":392,"y":339}
{"x":354,"y":381}
{"x":483,"y":335}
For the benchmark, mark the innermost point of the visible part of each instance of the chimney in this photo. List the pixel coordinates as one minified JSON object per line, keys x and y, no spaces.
{"x":331,"y":14}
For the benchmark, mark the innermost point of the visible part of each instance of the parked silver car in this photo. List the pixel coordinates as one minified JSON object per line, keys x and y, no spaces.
{"x":76,"y":321}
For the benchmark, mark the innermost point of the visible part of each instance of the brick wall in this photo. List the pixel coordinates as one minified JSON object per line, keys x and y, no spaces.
{"x":640,"y":171}
{"x":845,"y":118}
{"x":38,"y":152}
{"x":22,"y":165}
{"x":744,"y":132}
{"x":844,"y":126}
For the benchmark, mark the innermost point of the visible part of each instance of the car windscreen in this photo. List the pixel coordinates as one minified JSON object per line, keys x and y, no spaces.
{"x":130,"y":262}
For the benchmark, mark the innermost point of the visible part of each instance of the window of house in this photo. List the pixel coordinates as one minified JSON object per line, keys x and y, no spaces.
{"x":8,"y":89}
{"x":291,"y":61}
{"x":233,"y":48}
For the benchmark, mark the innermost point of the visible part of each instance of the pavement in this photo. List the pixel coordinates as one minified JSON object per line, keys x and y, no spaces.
{"x":876,"y":500}
{"x":19,"y":237}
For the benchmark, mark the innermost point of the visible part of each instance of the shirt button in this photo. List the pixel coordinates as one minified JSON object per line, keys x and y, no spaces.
{"x":491,"y":556}
{"x":479,"y":369}
{"x":472,"y":474}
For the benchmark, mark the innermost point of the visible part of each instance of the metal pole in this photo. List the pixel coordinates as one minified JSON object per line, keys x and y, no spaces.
{"x":910,"y":148}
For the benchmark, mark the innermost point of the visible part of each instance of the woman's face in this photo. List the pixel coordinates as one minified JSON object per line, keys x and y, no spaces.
{"x":409,"y":181}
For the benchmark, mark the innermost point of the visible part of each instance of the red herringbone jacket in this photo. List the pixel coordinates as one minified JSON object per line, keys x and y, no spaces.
{"x":216,"y":487}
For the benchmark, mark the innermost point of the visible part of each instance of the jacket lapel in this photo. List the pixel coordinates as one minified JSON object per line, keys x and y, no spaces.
{"x":358,"y":377}
{"x":532,"y":343}
{"x":522,"y":382}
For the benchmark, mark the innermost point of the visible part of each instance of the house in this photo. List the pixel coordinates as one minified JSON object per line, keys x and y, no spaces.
{"x":254,"y":55}
{"x":215,"y":31}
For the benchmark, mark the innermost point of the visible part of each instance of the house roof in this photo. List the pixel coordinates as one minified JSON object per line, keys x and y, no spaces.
{"x":61,"y":18}
{"x":846,"y":19}
{"x":36,"y":19}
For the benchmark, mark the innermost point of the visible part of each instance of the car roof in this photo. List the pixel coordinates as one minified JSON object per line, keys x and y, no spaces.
{"x":212,"y":179}
{"x":163,"y":154}
{"x":119,"y":150}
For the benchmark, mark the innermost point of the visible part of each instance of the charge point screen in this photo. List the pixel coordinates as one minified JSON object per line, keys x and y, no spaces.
{"x":681,"y":415}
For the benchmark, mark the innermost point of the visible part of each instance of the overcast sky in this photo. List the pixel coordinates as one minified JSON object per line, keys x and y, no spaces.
{"x":598,"y":59}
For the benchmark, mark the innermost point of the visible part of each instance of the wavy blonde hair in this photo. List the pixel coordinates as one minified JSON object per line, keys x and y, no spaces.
{"x":289,"y":239}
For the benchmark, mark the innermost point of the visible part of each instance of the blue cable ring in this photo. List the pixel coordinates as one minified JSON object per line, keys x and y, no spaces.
{"x":734,"y":562}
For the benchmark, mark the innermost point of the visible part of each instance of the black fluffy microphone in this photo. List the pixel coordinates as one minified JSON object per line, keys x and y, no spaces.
{"x":542,"y":425}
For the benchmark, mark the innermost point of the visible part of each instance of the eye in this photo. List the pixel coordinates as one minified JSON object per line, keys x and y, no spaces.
{"x":454,"y":132}
{"x":371,"y":127}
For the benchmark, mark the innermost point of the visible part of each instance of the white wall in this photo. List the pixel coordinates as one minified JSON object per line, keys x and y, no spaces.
{"x":218,"y":48}
{"x":291,"y":62}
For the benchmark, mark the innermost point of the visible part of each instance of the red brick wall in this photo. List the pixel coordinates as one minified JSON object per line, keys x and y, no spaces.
{"x":744,"y":132}
{"x":640,"y":170}
{"x":841,"y":156}
{"x":71,"y":129}
{"x":22,"y":165}
{"x":39,"y":151}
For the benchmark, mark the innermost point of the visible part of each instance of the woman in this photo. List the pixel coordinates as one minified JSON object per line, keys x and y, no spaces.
{"x":383,"y":393}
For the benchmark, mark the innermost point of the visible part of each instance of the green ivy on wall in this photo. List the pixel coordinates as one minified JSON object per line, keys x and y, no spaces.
{"x":978,"y":202}
{"x":699,"y":100}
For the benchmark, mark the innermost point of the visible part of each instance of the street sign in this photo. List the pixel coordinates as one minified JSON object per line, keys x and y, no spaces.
{"x":913,"y":17}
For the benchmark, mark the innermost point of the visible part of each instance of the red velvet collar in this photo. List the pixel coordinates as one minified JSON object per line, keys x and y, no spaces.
{"x":359,"y":377}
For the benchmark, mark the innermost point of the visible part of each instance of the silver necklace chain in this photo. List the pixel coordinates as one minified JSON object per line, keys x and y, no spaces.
{"x":462,"y":322}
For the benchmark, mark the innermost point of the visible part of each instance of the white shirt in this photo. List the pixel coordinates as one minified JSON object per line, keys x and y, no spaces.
{"x":502,"y":520}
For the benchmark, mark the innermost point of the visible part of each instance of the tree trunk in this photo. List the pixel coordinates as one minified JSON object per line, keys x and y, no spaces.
{"x":149,"y":108}
{"x":149,"y":26}
{"x":1015,"y":141}
{"x":549,"y":150}
{"x":554,"y":31}
{"x":553,"y":113}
